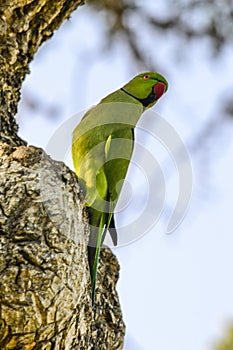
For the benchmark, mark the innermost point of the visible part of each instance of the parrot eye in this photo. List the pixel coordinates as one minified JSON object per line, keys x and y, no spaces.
{"x":146,"y":77}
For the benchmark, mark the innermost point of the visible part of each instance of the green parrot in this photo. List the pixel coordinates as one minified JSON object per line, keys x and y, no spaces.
{"x":102,"y":147}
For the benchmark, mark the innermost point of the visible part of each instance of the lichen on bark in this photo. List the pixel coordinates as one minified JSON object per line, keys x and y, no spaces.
{"x":45,"y":289}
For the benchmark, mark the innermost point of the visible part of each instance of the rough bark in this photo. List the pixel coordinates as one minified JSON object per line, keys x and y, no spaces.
{"x":44,"y":277}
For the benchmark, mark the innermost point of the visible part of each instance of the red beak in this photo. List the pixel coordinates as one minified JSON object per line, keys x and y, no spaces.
{"x":159,"y":90}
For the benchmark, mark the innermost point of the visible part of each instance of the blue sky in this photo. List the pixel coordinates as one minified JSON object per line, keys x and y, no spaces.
{"x":175,"y":290}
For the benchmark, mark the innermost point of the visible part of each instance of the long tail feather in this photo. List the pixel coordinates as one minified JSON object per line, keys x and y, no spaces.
{"x":94,"y":267}
{"x":95,"y":242}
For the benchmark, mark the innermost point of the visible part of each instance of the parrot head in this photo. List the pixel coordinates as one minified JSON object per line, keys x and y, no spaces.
{"x":147,"y":88}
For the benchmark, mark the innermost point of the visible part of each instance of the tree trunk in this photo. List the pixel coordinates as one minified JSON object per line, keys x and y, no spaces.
{"x":45,"y":300}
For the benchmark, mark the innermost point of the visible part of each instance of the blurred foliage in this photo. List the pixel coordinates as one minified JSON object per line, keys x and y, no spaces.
{"x":227,"y":343}
{"x":185,"y":19}
{"x":229,"y":108}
